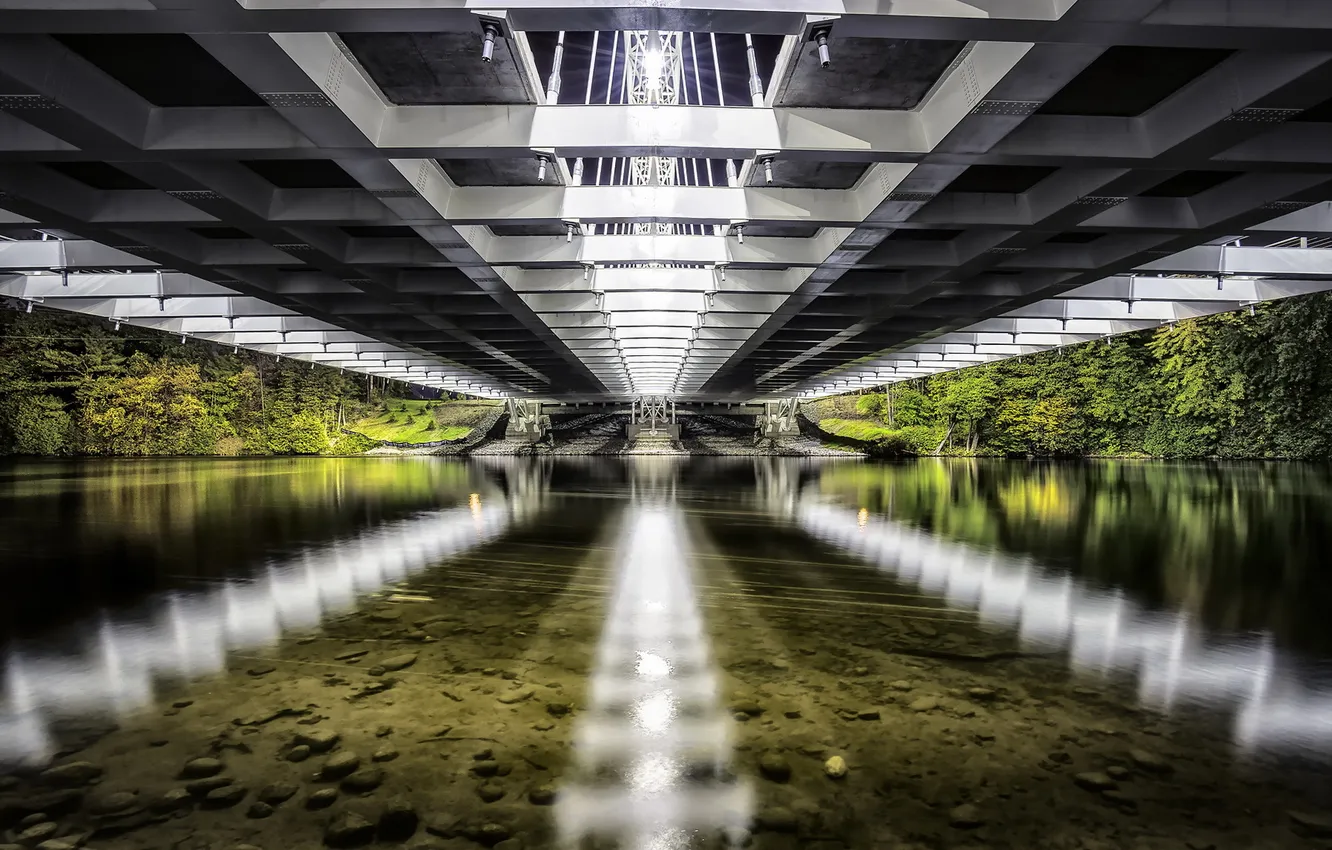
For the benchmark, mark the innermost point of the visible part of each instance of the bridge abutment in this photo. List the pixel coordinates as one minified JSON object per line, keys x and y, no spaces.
{"x":778,"y":419}
{"x":526,"y":421}
{"x":653,"y":415}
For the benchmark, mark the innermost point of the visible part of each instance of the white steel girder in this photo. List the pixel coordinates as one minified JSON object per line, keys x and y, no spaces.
{"x":182,"y":304}
{"x":1116,"y":305}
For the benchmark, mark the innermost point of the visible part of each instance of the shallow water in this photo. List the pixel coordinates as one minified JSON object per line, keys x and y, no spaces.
{"x":665,"y":653}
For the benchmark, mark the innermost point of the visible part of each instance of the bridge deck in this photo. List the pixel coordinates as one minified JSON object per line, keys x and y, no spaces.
{"x":717,"y":217}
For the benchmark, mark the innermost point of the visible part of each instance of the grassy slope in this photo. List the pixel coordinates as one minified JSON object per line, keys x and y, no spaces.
{"x":857,"y":429}
{"x":411,"y":421}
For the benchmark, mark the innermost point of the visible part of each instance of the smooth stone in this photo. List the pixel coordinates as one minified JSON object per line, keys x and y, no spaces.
{"x":517,"y":696}
{"x":542,"y":795}
{"x":901,"y":685}
{"x":485,"y":768}
{"x":923,"y":704}
{"x":491,"y":834}
{"x":1095,"y":781}
{"x":200,"y":768}
{"x":558,"y":709}
{"x":835,"y":767}
{"x":74,"y":774}
{"x":54,"y":803}
{"x":1311,"y":823}
{"x":399,"y":820}
{"x":109,"y":804}
{"x":490,"y":792}
{"x":202,"y":787}
{"x":318,"y":740}
{"x":1149,"y":761}
{"x":791,"y":714}
{"x":868,"y":715}
{"x":965,"y":816}
{"x":277,"y":793}
{"x":385,"y":616}
{"x":384,"y":754}
{"x":224,"y":797}
{"x":34,"y":819}
{"x":348,"y":829}
{"x":383,"y":731}
{"x":748,"y":707}
{"x":322,"y":799}
{"x":173,"y":800}
{"x":775,"y":767}
{"x":777,"y":819}
{"x":259,"y":810}
{"x":37,"y":833}
{"x":298,"y":753}
{"x":339,"y":765}
{"x":982,"y":694}
{"x":363,"y":781}
{"x":1118,"y":772}
{"x":399,"y":662}
{"x":354,"y":655}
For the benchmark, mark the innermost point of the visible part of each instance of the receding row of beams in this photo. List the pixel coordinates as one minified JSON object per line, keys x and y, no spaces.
{"x":527,"y":205}
{"x":174,"y":296}
{"x":769,"y":265}
{"x":790,"y":133}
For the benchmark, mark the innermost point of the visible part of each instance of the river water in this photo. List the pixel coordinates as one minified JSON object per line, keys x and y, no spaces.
{"x":665,"y":653}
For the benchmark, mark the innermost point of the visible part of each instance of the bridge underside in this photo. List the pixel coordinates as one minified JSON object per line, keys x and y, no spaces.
{"x":639,"y":202}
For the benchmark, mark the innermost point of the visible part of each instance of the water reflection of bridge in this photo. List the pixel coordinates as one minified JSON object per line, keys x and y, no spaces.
{"x":1174,"y":660}
{"x":189,"y":633}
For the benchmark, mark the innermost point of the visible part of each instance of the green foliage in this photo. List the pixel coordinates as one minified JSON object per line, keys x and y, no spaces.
{"x":70,"y":384}
{"x":874,"y":405}
{"x":39,"y":425}
{"x":1236,"y":385}
{"x":350,"y":443}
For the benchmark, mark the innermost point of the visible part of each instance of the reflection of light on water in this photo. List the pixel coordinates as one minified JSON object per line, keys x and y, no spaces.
{"x":190,"y":633}
{"x":1102,"y":631}
{"x":654,"y":712}
{"x":653,"y":704}
{"x":667,"y":839}
{"x":862,"y":518}
{"x":654,"y":773}
{"x":652,"y":666}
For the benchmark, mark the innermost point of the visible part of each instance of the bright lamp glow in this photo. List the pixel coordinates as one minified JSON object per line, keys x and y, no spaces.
{"x":654,"y":66}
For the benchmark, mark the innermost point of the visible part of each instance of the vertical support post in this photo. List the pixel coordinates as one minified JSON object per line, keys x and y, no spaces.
{"x":553,"y":84}
{"x":755,"y":81}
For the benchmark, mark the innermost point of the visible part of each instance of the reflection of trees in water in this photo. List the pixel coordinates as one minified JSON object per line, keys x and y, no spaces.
{"x":97,"y":532}
{"x":1237,"y":545}
{"x":152,"y":499}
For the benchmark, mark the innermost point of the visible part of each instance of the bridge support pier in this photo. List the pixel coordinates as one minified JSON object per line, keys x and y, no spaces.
{"x":778,"y":419}
{"x":653,"y":414}
{"x":526,"y":421}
